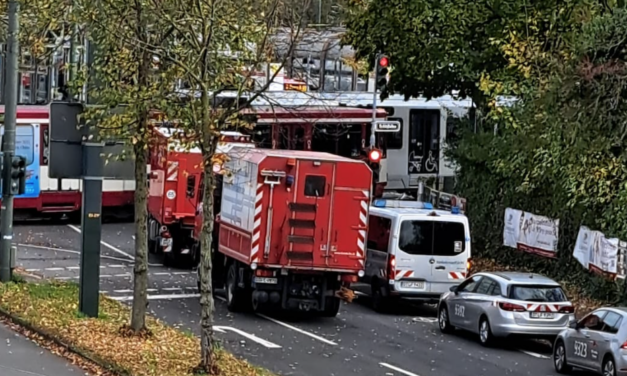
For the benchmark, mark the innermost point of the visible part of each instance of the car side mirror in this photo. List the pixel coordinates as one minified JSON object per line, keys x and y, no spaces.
{"x":454,"y":289}
{"x":574,"y":325}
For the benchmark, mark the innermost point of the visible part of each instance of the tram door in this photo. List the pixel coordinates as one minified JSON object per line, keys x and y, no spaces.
{"x":424,"y":142}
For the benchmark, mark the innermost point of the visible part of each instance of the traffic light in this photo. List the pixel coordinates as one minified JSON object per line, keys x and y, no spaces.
{"x":381,"y":72}
{"x":17,"y":184}
{"x":374,"y":156}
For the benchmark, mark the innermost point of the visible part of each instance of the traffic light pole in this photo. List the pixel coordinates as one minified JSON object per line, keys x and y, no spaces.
{"x":91,"y":229}
{"x":8,"y":142}
{"x":374,"y":103}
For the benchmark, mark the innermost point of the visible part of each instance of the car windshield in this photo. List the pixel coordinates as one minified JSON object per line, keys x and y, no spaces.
{"x":531,"y":293}
{"x":436,"y":238}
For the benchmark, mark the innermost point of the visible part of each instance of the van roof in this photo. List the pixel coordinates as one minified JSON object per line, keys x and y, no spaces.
{"x":397,"y":212}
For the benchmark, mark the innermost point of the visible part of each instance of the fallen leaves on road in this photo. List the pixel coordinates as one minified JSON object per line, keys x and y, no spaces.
{"x":164,"y":351}
{"x":583,"y":304}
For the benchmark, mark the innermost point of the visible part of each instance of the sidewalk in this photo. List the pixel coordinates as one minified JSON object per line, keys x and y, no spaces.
{"x":21,"y":357}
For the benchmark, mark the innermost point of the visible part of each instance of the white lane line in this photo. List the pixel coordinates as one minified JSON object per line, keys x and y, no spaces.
{"x":301,"y":331}
{"x":114,"y":249}
{"x":157,"y":297}
{"x":78,"y":253}
{"x":72,"y":251}
{"x":399,"y":370}
{"x":535,"y":355}
{"x":172,"y":289}
{"x":122,"y":291}
{"x":251,"y":337}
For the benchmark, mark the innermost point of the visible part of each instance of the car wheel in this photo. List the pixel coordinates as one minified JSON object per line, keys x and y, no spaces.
{"x":485,"y":332}
{"x":609,"y":368}
{"x":559,"y":358}
{"x":443,"y":320}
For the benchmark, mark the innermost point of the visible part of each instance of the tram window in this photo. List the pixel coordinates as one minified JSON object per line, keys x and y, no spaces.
{"x":395,"y":139}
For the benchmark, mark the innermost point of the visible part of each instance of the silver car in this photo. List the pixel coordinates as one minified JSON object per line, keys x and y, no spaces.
{"x":500,"y":304}
{"x":596,"y":343}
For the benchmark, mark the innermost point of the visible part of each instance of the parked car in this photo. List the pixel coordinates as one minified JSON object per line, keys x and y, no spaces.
{"x":595,"y":343}
{"x":501,"y":304}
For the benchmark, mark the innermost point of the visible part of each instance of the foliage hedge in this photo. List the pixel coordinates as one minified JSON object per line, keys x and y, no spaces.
{"x":560,"y":154}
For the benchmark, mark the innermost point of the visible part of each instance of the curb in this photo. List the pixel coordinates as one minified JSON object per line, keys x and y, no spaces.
{"x":73,"y":349}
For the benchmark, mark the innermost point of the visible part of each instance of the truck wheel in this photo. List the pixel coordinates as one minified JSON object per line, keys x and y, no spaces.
{"x":234,"y":295}
{"x":331,"y":306}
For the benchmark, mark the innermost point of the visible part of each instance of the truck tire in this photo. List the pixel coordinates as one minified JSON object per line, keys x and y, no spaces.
{"x":235,"y":297}
{"x":331,"y":306}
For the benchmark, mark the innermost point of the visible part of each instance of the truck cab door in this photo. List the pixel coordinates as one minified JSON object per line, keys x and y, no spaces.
{"x":309,"y":212}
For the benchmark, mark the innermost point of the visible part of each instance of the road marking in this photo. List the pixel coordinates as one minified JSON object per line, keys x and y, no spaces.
{"x":400,"y":370}
{"x":301,"y":331}
{"x":429,"y":320}
{"x":535,"y":355}
{"x":157,"y":297}
{"x":172,"y":289}
{"x":114,"y":249}
{"x":252,"y":337}
{"x":74,"y":252}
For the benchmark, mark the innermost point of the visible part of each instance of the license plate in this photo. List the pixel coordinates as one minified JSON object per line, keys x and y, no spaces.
{"x":272,"y":281}
{"x":542,"y":315}
{"x":166,"y":242}
{"x":413,"y":285}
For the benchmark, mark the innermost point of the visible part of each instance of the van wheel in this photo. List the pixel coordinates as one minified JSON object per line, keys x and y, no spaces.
{"x":443,"y":320}
{"x":485,"y":332}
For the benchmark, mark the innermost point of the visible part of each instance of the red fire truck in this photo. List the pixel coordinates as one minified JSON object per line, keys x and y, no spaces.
{"x":175,"y":174}
{"x":290,"y":230}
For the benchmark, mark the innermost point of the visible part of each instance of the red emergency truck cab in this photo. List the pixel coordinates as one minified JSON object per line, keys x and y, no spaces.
{"x":291,"y":229}
{"x":173,"y":192}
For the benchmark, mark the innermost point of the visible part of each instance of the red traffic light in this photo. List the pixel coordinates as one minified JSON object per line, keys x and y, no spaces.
{"x":374,"y":155}
{"x":384,"y":61}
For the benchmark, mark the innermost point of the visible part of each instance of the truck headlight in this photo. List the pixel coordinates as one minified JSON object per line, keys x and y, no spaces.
{"x":361,"y":273}
{"x":253,"y":266}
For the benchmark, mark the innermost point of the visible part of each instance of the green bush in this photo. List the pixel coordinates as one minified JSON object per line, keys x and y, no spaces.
{"x":565,"y":158}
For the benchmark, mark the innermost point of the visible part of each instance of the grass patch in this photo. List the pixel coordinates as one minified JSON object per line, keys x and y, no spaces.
{"x":53,"y":308}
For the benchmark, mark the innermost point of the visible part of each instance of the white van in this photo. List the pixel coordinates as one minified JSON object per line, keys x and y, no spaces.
{"x":414,"y":251}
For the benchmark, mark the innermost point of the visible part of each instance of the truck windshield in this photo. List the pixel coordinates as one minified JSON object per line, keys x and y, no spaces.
{"x":534,"y":293}
{"x":432,"y":238}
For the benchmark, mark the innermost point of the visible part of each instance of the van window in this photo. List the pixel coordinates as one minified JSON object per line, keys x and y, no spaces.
{"x":314,"y":185}
{"x":432,"y":238}
{"x":379,"y":233}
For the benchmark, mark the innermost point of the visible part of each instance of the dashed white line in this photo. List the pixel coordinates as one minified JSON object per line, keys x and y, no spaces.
{"x":399,"y":370}
{"x":301,"y":331}
{"x":161,"y":273}
{"x":72,"y":251}
{"x":114,"y":249}
{"x":535,"y":355}
{"x":172,"y":289}
{"x":157,"y":297}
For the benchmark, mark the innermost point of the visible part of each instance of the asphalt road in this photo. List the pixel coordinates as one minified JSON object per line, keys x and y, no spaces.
{"x":358,"y":342}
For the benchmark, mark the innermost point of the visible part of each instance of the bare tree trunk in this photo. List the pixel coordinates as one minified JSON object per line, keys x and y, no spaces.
{"x":140,"y":270}
{"x":140,"y":150}
{"x":207,"y":341}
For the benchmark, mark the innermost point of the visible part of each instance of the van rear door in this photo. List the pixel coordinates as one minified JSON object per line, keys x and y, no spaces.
{"x":438,"y":247}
